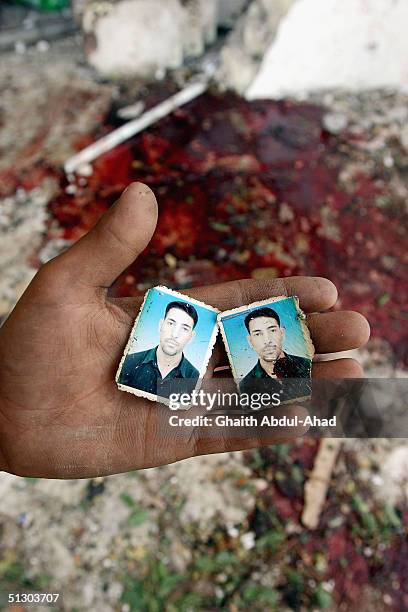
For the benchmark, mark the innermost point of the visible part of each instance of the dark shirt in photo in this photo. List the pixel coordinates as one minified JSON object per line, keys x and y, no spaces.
{"x":140,"y":371}
{"x":288,"y":367}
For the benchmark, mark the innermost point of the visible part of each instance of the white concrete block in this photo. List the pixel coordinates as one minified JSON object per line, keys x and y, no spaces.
{"x":142,"y":37}
{"x":354,"y":44}
{"x":138,"y":37}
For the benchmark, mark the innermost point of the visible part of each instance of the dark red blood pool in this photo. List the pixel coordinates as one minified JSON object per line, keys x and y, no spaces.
{"x":245,"y":185}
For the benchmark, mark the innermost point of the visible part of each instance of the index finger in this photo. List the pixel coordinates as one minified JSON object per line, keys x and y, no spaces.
{"x":315,"y":293}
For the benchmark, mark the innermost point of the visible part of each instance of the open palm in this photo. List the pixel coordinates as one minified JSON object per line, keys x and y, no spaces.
{"x":61,"y":414}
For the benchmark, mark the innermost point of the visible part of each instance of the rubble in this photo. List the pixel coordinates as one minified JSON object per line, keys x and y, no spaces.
{"x":331,"y":44}
{"x":242,"y":53}
{"x":394,"y":475}
{"x":121,"y":38}
{"x":144,"y":37}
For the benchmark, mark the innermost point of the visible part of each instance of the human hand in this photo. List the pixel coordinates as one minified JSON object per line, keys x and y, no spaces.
{"x":61,"y":413}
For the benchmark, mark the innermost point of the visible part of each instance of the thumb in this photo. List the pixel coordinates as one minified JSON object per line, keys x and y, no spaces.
{"x":120,"y":235}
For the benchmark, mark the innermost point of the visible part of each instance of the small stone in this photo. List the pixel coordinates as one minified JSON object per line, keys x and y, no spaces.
{"x":335,"y":122}
{"x":160,"y":74}
{"x":292,"y":528}
{"x":248,"y":540}
{"x":233,"y":532}
{"x":170,"y":260}
{"x":21,"y":195}
{"x":219,"y":592}
{"x":260,"y":484}
{"x":20,"y":47}
{"x":388,"y":160}
{"x":131,"y":111}
{"x":85,"y":170}
{"x":377,"y":480}
{"x":286,"y":214}
{"x":42,"y":46}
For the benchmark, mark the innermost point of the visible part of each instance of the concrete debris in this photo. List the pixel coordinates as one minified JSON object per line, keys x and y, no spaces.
{"x":394,"y":475}
{"x":122,"y":38}
{"x":242,"y":54}
{"x":141,"y":37}
{"x":383,"y":466}
{"x":329,"y":44}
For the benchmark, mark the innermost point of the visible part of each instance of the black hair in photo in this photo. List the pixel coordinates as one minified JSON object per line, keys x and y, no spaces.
{"x":261,"y":312}
{"x":190,"y":310}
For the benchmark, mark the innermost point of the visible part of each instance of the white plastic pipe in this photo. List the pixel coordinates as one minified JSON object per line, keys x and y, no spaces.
{"x":131,"y":128}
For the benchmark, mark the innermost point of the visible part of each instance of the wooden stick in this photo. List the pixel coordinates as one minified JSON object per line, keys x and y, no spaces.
{"x":315,"y":489}
{"x":131,"y":128}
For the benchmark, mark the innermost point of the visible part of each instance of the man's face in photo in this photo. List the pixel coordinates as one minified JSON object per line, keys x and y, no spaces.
{"x":266,"y":337}
{"x":176,"y":330}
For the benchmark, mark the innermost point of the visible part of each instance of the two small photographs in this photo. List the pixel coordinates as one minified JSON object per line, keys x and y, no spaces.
{"x":268,"y":346}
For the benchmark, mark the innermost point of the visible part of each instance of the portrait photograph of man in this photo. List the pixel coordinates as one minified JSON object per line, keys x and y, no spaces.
{"x":269,"y":341}
{"x":169,"y":347}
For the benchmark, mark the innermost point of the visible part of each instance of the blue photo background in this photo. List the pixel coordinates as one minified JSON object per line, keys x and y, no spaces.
{"x":243,"y":355}
{"x":146,"y":335}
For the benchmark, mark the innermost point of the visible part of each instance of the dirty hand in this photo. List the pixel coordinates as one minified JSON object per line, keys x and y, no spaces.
{"x":61,"y":414}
